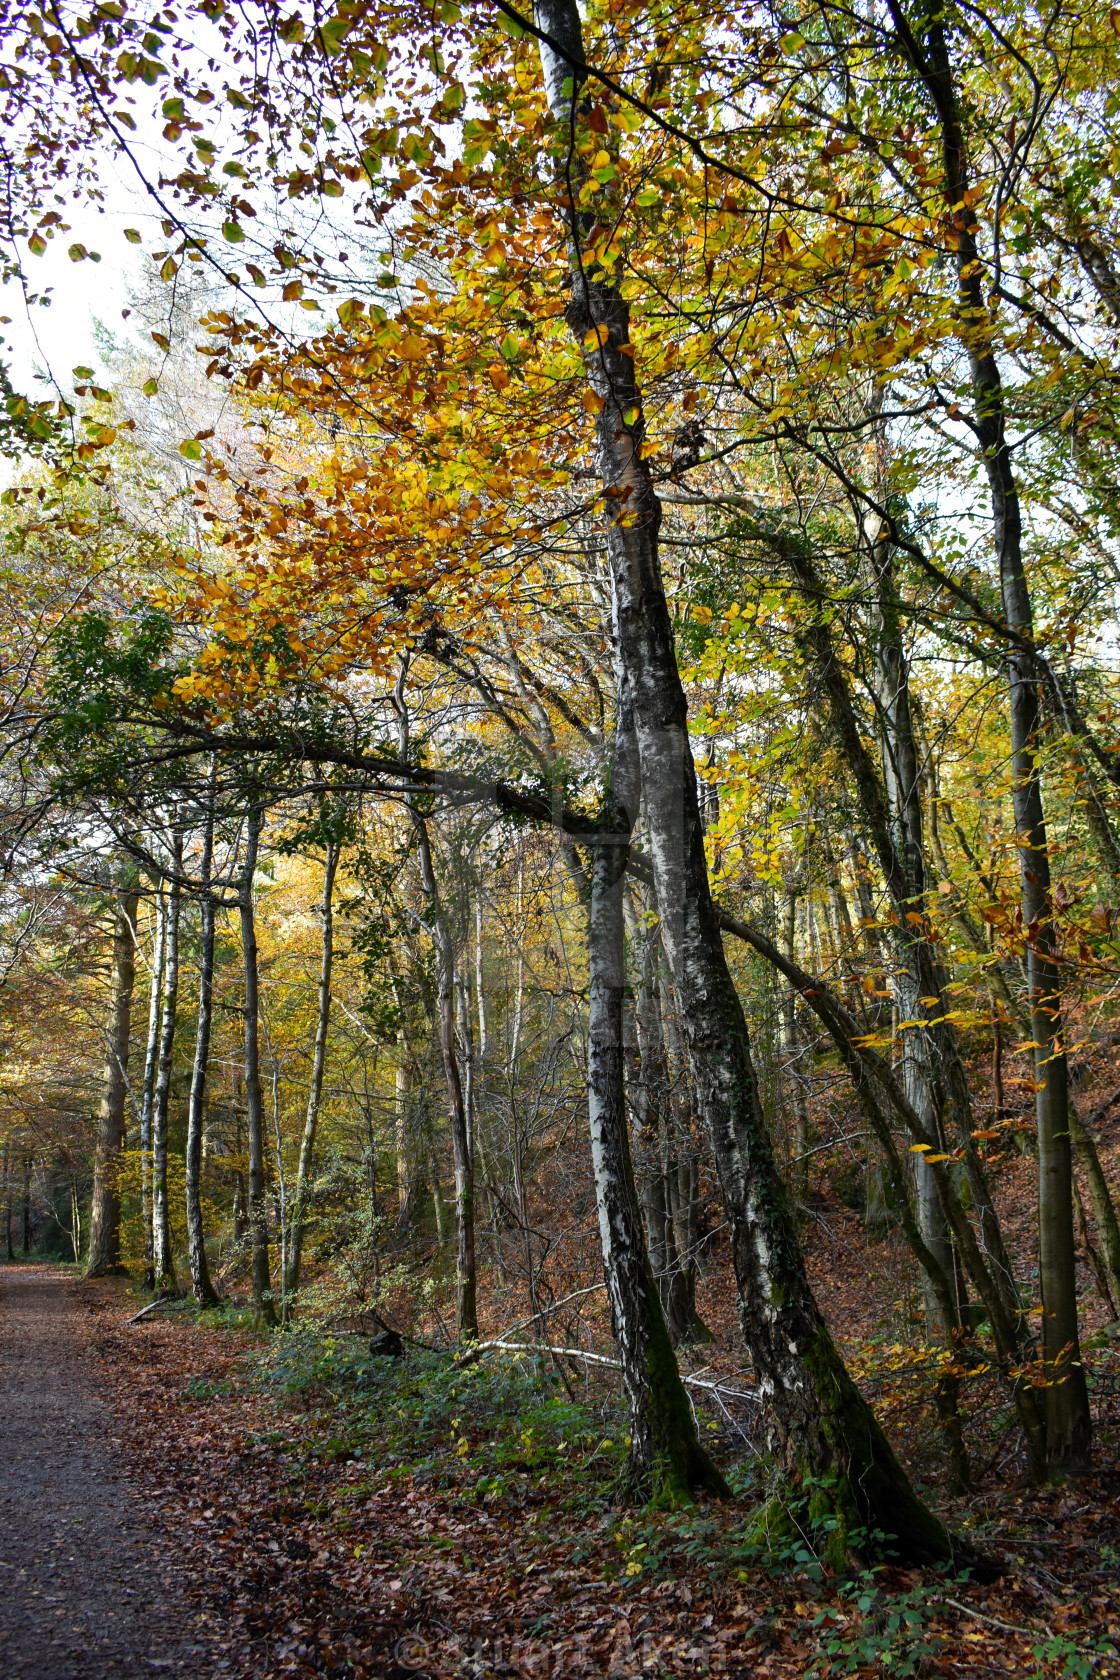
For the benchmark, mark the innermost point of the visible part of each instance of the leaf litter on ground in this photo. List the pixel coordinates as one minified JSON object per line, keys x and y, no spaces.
{"x":345,"y":1516}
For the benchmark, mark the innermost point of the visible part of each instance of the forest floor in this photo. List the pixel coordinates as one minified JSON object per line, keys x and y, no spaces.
{"x":175,"y":1494}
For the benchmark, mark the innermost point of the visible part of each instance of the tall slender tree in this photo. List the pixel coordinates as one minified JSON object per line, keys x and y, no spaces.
{"x":163,"y":1258}
{"x":201,"y":1283}
{"x":105,"y":1212}
{"x":263,"y":1303}
{"x":306,"y":1165}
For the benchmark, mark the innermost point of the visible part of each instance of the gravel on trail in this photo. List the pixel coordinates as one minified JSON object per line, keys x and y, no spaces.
{"x":90,"y":1586}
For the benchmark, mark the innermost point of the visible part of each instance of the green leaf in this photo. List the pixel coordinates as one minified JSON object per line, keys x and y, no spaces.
{"x":36,"y":244}
{"x":234,"y":232}
{"x":150,"y":387}
{"x":132,"y":236}
{"x":191,"y":449}
{"x":174,"y":109}
{"x":333,"y":33}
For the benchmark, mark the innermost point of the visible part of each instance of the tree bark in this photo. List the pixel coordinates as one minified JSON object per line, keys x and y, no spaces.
{"x":163,"y":1260}
{"x":1100,"y":1196}
{"x":105,"y":1212}
{"x":871,"y":1073}
{"x":263,"y":1304}
{"x":902,"y":862}
{"x":204,"y":1292}
{"x":318,"y":1068}
{"x":6,"y":1170}
{"x":791,"y":1057}
{"x":823,"y":1432}
{"x":466,"y":1281}
{"x":147,"y":1097}
{"x":1066,"y":1398}
{"x":668,"y":1194}
{"x":667,"y":1461}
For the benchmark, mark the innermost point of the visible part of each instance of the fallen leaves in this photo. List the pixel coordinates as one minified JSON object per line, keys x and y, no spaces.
{"x":313,"y":1558}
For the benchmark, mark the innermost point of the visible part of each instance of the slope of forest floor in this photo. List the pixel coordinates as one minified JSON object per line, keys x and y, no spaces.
{"x":352,"y":1516}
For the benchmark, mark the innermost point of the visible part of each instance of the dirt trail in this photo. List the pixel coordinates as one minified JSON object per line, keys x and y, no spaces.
{"x":89,"y":1586}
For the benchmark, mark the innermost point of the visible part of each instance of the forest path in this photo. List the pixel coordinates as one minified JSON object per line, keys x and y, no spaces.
{"x":88,"y":1587}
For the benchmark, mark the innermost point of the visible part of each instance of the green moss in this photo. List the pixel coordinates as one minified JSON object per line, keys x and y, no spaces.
{"x":679,"y":1466}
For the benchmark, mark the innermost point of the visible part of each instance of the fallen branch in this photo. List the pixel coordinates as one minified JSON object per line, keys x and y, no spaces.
{"x":716,"y":1388}
{"x":172,"y":1301}
{"x":967,"y":1610}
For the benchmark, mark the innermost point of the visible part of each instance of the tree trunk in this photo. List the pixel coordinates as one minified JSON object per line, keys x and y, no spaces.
{"x":871,"y":1073}
{"x":163,"y":1260}
{"x":1066,"y":1398}
{"x":1100,"y":1198}
{"x":824,"y":1434}
{"x":666,"y":1196}
{"x":147,"y":1098}
{"x":466,"y":1285}
{"x":902,"y":862}
{"x":6,"y":1170}
{"x":105,"y":1213}
{"x":791,"y":1057}
{"x":318,"y":1067}
{"x":204,"y":1292}
{"x":263,"y":1304}
{"x":466,"y":1310}
{"x":666,"y":1460}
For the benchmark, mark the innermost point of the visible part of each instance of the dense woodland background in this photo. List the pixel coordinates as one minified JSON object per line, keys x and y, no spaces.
{"x":569,"y":371}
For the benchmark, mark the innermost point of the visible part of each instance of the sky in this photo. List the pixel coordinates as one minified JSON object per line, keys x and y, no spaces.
{"x":62,"y":336}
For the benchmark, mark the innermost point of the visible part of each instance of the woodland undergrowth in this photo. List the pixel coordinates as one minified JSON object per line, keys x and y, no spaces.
{"x":349,"y":1515}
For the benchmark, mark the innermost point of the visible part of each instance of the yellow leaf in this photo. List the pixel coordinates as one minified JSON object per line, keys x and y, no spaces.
{"x":592,"y":403}
{"x":499,"y":378}
{"x":919,"y":1148}
{"x":413,"y":348}
{"x":598,"y":335}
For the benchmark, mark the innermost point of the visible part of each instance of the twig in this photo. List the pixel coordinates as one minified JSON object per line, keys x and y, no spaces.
{"x":1006,"y":1627}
